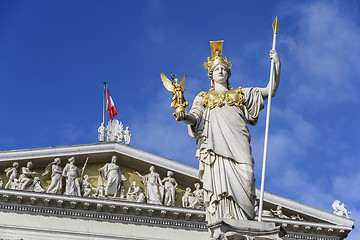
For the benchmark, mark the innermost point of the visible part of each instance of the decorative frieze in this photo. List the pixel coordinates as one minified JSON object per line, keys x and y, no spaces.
{"x":58,"y":205}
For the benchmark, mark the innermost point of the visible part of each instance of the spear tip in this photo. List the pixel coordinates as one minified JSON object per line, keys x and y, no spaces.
{"x":275,"y":25}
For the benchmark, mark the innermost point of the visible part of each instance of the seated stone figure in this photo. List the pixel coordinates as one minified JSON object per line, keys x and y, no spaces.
{"x":194,"y":199}
{"x":87,"y":188}
{"x":27,"y":177}
{"x":198,"y":200}
{"x":135,"y":193}
{"x":37,"y":186}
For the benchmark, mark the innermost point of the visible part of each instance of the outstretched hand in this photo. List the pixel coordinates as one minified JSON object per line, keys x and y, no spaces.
{"x":181,"y":117}
{"x":274,"y":56}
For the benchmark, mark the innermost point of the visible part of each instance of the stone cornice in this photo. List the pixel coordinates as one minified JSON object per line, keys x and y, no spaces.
{"x":139,"y":213}
{"x":101,"y":209}
{"x":316,"y":213}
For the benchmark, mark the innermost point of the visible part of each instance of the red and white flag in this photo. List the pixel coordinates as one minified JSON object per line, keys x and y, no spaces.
{"x":111,"y":106}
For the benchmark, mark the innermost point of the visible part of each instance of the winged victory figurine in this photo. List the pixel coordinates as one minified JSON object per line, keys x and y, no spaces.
{"x":177,"y":90}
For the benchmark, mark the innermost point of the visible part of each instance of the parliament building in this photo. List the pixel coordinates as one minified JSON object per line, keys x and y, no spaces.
{"x":103,"y":191}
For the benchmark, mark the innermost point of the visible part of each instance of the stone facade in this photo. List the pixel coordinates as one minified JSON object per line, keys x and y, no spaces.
{"x":41,"y":215}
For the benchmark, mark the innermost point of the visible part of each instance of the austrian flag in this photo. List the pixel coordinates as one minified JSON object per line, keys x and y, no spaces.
{"x":111,"y":106}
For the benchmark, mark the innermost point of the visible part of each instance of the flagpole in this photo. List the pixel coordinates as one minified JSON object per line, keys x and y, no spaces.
{"x":104,"y":110}
{"x":275,"y":26}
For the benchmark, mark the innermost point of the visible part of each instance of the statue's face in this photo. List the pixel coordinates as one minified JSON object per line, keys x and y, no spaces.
{"x":220,"y":74}
{"x":113,"y":159}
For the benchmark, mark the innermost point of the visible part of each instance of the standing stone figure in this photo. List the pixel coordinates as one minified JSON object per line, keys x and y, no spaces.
{"x":218,"y":121}
{"x":12,"y":171}
{"x":170,"y":186}
{"x":101,"y":131}
{"x":186,"y":199}
{"x":152,"y":189}
{"x":113,"y":177}
{"x":26,"y":177}
{"x":1,"y":182}
{"x":127,"y":136}
{"x":101,"y":184}
{"x":56,"y":176}
{"x":71,"y":174}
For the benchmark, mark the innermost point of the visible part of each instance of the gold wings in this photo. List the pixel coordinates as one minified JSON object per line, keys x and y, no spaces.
{"x":169,"y":85}
{"x":182,"y":83}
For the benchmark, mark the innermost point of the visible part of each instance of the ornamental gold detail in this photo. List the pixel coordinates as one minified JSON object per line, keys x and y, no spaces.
{"x":212,"y":99}
{"x":177,"y":90}
{"x":216,"y":56}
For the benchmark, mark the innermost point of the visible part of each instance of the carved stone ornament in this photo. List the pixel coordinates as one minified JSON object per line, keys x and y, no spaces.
{"x":340,"y":210}
{"x":278,"y":213}
{"x":114,"y":132}
{"x":224,"y":229}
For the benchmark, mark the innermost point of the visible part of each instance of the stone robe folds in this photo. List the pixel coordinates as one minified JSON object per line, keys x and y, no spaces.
{"x":224,"y":153}
{"x":113,"y":176}
{"x":56,"y":180}
{"x":72,"y":182}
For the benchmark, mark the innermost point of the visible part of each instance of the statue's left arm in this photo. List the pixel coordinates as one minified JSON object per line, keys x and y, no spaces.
{"x":276,"y":76}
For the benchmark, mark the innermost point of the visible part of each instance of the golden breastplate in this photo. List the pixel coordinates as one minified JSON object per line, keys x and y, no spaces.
{"x":212,"y":99}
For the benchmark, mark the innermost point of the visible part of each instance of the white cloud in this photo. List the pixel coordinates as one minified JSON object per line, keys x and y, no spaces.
{"x":161,"y":134}
{"x":326,"y":50}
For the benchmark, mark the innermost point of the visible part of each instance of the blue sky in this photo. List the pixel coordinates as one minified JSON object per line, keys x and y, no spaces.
{"x":55,"y":55}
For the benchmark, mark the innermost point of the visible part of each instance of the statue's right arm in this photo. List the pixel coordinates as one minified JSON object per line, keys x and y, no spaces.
{"x":186,"y":118}
{"x":194,"y":114}
{"x":138,"y":174}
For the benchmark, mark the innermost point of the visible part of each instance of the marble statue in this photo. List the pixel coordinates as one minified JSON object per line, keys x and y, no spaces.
{"x":71,"y":174}
{"x":86,"y":187}
{"x":56,"y":176}
{"x":153,"y":186}
{"x":1,"y":182}
{"x":218,"y":121}
{"x":101,"y":184}
{"x":37,"y":186}
{"x":122,"y":191}
{"x":135,"y":193}
{"x":340,"y":210}
{"x":26,"y":177}
{"x":119,"y":133}
{"x":198,"y":197}
{"x":194,"y":199}
{"x":265,"y":213}
{"x":170,"y":186}
{"x":114,"y":131}
{"x":112,"y":175}
{"x":186,"y":198}
{"x":11,"y":172}
{"x":127,"y":136}
{"x":279,"y":213}
{"x":101,"y":131}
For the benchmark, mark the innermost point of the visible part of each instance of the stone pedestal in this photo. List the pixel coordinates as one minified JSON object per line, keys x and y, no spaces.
{"x":231,"y":229}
